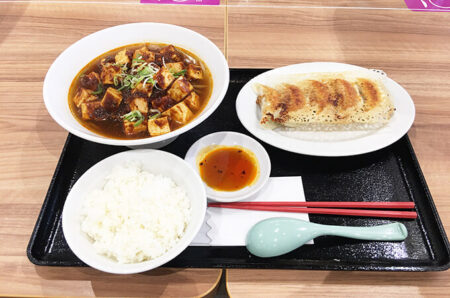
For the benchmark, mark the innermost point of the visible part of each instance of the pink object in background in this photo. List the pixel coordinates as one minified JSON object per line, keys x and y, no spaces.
{"x":428,"y":5}
{"x":191,"y":2}
{"x":441,"y":3}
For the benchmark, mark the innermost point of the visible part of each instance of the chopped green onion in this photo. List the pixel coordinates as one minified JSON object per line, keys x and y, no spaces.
{"x":148,"y":79}
{"x":180,"y":73}
{"x":139,"y":68}
{"x":137,"y":60}
{"x":140,"y":71}
{"x":136,"y":81}
{"x":121,"y":88}
{"x":145,"y":71}
{"x":138,"y":122}
{"x":155,"y":116}
{"x":134,"y":116}
{"x":99,"y":89}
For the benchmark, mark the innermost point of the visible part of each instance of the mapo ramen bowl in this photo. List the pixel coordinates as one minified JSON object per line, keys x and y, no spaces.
{"x":67,"y":65}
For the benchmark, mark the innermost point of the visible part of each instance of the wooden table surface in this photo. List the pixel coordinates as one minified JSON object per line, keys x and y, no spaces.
{"x":412,"y":47}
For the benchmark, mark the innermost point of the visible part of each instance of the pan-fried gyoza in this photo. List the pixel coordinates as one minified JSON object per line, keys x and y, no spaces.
{"x":140,"y":90}
{"x":325,"y":100}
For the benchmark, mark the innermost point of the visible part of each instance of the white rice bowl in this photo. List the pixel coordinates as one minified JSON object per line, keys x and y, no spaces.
{"x":136,"y":216}
{"x":144,"y":231}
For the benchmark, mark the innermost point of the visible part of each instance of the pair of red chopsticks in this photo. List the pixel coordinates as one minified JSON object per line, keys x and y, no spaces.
{"x":328,"y":208}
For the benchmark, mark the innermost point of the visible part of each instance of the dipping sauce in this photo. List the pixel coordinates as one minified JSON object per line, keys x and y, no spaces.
{"x":228,"y":168}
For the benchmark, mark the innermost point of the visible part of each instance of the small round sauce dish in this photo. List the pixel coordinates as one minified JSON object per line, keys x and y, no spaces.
{"x":233,"y":166}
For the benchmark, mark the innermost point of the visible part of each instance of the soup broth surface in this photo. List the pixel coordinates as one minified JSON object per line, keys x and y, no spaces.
{"x":177,"y":87}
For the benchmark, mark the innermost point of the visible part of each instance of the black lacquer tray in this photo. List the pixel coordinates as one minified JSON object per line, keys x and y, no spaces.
{"x":390,"y":174}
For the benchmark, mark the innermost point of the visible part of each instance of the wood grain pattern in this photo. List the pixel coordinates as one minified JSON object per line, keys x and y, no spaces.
{"x":88,"y":2}
{"x":31,"y":37}
{"x":412,"y":48}
{"x":284,"y":3}
{"x":77,"y":281}
{"x":290,"y":283}
{"x":77,"y":1}
{"x":321,"y":3}
{"x":392,"y":39}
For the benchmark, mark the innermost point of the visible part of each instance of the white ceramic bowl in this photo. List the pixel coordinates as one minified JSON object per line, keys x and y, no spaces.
{"x":74,"y":58}
{"x":154,"y":161}
{"x":230,"y":138}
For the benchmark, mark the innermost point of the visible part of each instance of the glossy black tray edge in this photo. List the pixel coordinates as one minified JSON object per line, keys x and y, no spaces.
{"x":56,"y":177}
{"x":35,"y":260}
{"x":431,"y":204}
{"x":65,"y":158}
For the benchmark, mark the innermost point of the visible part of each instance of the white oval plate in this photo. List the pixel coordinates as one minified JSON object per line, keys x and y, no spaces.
{"x":229,"y":138}
{"x":153,"y":161}
{"x":338,"y":143}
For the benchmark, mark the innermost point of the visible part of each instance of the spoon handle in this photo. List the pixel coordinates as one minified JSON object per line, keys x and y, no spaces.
{"x":389,"y":232}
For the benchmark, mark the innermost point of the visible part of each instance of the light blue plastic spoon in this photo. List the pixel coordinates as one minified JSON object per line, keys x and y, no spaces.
{"x":279,"y":235}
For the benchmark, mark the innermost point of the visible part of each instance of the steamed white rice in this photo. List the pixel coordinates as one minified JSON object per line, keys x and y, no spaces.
{"x":136,"y":216}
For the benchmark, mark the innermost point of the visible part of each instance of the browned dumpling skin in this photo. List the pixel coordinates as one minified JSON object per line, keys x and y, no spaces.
{"x":325,"y":98}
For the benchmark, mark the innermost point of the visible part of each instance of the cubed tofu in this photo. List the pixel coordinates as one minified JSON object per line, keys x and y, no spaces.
{"x":90,"y":81}
{"x":109,"y":71}
{"x":163,"y":103}
{"x":194,"y":72}
{"x":164,"y":78}
{"x":180,"y":89}
{"x":130,"y":130}
{"x":193,"y":101}
{"x":92,"y":110}
{"x":83,"y":95}
{"x":179,"y":113}
{"x":139,"y":104}
{"x":159,"y":126}
{"x":175,"y":67}
{"x":144,"y":90}
{"x":112,"y":99}
{"x":144,"y":54}
{"x":122,"y":57}
{"x":170,"y":53}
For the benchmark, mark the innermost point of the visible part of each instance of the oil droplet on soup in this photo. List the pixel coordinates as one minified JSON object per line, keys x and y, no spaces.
{"x":228,"y":168}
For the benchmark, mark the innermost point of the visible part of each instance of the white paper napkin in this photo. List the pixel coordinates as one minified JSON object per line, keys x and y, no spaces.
{"x":229,"y":227}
